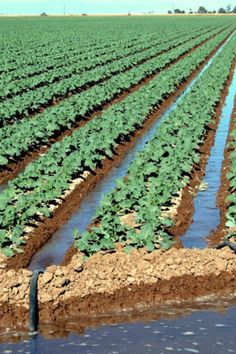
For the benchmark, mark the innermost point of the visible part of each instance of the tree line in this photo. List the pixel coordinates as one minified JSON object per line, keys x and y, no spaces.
{"x":203,"y":10}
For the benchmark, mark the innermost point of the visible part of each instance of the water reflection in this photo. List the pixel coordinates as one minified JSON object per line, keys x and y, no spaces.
{"x":186,"y":330}
{"x":206,"y":216}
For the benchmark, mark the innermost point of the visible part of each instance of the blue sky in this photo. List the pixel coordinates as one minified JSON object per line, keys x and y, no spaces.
{"x":104,"y":6}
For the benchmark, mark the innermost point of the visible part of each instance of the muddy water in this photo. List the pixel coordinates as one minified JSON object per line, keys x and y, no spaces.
{"x":206,"y":216}
{"x":53,"y":251}
{"x":189,"y":330}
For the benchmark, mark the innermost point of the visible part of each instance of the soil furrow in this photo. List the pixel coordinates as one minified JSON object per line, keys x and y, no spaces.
{"x":224,"y":190}
{"x":185,"y":210}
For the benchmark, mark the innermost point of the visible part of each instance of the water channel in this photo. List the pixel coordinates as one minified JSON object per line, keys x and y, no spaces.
{"x":54,"y":250}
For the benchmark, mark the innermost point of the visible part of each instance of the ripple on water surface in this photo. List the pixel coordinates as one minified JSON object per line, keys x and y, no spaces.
{"x":203,"y":332}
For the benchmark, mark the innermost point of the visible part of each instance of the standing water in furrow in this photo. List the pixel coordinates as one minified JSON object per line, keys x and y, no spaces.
{"x":54,"y":250}
{"x":206,"y":216}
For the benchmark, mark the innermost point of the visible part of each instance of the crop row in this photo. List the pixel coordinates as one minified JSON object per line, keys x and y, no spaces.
{"x":132,"y":213}
{"x":30,"y":196}
{"x":40,"y":60}
{"x":28,"y":102}
{"x":40,"y":54}
{"x":230,"y":216}
{"x":75,"y":55}
{"x":91,"y":60}
{"x":31,"y":133}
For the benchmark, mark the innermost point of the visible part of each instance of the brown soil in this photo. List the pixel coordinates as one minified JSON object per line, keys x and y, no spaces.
{"x":15,"y":167}
{"x":224,"y":190}
{"x":61,"y":215}
{"x":117,"y":282}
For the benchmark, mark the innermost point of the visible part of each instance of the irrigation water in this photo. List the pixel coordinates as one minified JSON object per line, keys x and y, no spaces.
{"x":186,"y":330}
{"x":54,"y":250}
{"x":206,"y":216}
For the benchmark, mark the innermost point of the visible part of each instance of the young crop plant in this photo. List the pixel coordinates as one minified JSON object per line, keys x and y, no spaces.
{"x":231,"y":177}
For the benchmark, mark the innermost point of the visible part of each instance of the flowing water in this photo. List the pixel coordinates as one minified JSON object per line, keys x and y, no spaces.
{"x":54,"y":250}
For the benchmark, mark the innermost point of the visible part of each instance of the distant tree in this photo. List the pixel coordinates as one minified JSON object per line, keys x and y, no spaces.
{"x":190,"y":11}
{"x":43,"y":14}
{"x":234,"y":10}
{"x":177,"y":11}
{"x":221,"y":10}
{"x":214,"y":11}
{"x":169,"y":12}
{"x":228,"y":8}
{"x":84,"y":15}
{"x":202,"y":10}
{"x":183,"y":12}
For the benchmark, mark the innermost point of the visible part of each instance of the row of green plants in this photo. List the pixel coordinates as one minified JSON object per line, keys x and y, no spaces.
{"x":230,"y":215}
{"x":22,"y":105}
{"x":27,"y":134}
{"x":47,"y":65}
{"x":37,"y":56}
{"x":39,"y":59}
{"x":29,"y":197}
{"x":161,"y":170}
{"x":80,"y":62}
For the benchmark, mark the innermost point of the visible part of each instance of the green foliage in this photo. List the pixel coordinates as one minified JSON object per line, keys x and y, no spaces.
{"x":161,"y":169}
{"x":231,"y":176}
{"x":21,"y":136}
{"x":28,"y":197}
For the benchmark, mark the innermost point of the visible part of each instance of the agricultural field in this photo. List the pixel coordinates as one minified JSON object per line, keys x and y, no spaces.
{"x":117,"y":165}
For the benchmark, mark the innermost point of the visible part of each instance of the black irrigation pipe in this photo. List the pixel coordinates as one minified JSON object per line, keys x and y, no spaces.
{"x":223,"y":244}
{"x":33,"y":297}
{"x":33,"y":302}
